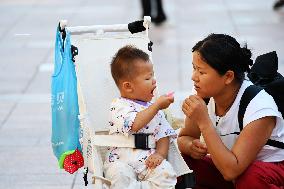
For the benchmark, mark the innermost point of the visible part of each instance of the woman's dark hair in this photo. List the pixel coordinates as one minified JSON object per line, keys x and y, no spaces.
{"x":222,"y":52}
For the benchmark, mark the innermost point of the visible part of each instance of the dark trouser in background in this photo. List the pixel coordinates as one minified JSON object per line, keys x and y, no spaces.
{"x":278,"y":4}
{"x":259,"y":175}
{"x":206,"y":174}
{"x":158,"y":15}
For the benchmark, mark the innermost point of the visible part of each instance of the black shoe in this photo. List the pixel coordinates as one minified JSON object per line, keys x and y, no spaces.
{"x":159,"y":19}
{"x":278,"y":4}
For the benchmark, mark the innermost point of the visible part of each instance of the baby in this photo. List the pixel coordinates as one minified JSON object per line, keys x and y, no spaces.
{"x":133,"y":113}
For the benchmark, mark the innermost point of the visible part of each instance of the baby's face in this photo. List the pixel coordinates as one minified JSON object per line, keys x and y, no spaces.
{"x":144,"y":82}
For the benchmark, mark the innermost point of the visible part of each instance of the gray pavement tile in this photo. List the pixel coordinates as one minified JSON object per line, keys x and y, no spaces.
{"x":30,"y":112}
{"x":41,"y":84}
{"x":15,"y":138}
{"x":28,"y":159}
{"x":249,"y":5}
{"x":26,"y":51}
{"x":35,"y":181}
{"x":5,"y":109}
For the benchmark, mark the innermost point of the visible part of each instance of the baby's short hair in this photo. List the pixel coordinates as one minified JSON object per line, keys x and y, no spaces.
{"x":123,"y":62}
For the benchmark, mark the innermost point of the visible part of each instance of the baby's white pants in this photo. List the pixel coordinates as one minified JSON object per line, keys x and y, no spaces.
{"x":123,"y":176}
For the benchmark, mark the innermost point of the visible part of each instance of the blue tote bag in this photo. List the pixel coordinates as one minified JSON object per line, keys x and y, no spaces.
{"x":64,"y":101}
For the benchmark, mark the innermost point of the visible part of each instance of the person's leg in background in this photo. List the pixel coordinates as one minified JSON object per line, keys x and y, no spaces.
{"x":262,"y":175}
{"x":278,"y":4}
{"x":206,"y":174}
{"x":154,"y":8}
{"x":160,"y":16}
{"x":146,"y":8}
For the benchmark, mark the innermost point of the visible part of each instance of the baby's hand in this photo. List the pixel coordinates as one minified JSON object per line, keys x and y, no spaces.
{"x":171,"y":94}
{"x":164,"y":101}
{"x":154,"y":160}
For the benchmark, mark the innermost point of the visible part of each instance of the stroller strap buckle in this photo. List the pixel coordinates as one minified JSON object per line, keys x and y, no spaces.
{"x":144,"y":141}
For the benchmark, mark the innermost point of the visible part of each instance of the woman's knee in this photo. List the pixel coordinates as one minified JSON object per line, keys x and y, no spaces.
{"x":253,"y":177}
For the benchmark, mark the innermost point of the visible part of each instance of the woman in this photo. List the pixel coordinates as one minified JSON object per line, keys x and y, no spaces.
{"x":225,"y":159}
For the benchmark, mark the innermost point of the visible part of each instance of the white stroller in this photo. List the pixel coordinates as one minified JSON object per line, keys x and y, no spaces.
{"x":96,"y":88}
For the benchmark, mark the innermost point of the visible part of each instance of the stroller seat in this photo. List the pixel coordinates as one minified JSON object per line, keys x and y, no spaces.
{"x":96,"y":89}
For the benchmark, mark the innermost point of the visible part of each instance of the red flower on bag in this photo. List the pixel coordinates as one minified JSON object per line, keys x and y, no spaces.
{"x":73,"y":162}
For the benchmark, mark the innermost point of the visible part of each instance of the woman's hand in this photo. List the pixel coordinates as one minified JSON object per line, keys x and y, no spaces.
{"x":197,"y":149}
{"x":195,"y":108}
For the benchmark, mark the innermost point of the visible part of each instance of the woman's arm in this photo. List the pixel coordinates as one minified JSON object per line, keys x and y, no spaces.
{"x":251,"y":140}
{"x":188,"y":140}
{"x":231,"y":163}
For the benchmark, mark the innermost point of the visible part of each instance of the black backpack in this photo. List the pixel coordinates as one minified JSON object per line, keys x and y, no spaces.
{"x":264,"y":75}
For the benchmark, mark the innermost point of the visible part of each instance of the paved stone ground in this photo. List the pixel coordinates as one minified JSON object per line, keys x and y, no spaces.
{"x":27,"y":36}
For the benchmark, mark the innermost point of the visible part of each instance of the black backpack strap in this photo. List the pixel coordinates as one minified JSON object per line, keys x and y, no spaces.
{"x":275,"y":143}
{"x":249,"y":94}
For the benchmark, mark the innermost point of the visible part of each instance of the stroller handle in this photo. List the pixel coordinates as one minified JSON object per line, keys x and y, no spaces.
{"x":138,"y":27}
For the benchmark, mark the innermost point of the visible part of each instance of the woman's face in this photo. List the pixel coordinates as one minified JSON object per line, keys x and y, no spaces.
{"x":207,"y":81}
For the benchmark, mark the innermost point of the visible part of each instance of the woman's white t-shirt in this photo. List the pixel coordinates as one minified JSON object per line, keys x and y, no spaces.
{"x":260,"y":106}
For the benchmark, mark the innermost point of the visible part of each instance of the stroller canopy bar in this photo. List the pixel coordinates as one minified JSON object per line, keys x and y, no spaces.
{"x":98,"y":29}
{"x":133,"y":27}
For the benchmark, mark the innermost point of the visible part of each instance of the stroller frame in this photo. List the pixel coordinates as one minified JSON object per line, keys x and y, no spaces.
{"x":94,"y":140}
